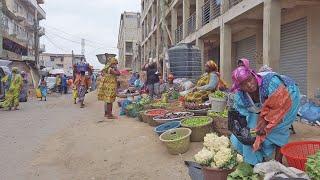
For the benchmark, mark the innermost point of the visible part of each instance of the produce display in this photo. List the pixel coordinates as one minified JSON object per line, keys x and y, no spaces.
{"x":244,"y":171}
{"x":133,"y":109}
{"x":217,"y":153}
{"x":195,"y":106}
{"x":156,"y":112}
{"x":159,"y":105}
{"x":195,"y":121}
{"x":176,"y":115}
{"x":223,"y":114}
{"x":145,"y":100}
{"x":218,"y":94}
{"x":313,"y":166}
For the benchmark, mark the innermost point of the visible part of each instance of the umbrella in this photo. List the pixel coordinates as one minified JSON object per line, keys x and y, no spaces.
{"x":57,"y":71}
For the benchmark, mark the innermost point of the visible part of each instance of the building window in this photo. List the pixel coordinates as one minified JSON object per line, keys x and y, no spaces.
{"x":62,"y":59}
{"x":51,"y":58}
{"x":131,"y":16}
{"x":129,"y":48}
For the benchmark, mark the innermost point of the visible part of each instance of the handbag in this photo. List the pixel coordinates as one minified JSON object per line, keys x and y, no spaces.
{"x":237,"y":124}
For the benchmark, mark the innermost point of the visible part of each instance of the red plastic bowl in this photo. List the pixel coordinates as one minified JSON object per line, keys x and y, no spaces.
{"x":296,"y":153}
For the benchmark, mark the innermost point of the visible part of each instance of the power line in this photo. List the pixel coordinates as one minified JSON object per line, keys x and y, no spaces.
{"x":77,"y":42}
{"x":55,"y":45}
{"x":57,"y":29}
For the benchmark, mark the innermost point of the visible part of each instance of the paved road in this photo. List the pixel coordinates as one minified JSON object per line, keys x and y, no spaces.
{"x":23,"y":131}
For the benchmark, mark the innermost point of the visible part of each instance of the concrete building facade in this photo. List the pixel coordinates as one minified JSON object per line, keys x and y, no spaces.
{"x":17,"y":39}
{"x":60,"y":61}
{"x":128,"y":40}
{"x":283,"y":34}
{"x":18,"y":30}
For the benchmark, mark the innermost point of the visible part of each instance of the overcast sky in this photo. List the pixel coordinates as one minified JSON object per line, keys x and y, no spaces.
{"x":97,"y":21}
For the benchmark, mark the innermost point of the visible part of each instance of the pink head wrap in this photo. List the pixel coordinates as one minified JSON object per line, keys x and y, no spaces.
{"x":246,"y":62}
{"x":242,"y":73}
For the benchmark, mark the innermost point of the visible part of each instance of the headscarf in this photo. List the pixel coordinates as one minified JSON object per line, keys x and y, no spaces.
{"x":212,"y":65}
{"x":241,"y":74}
{"x":112,"y":61}
{"x":15,"y":70}
{"x":245,"y":62}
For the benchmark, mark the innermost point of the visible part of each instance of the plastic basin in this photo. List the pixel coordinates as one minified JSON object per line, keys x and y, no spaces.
{"x":178,"y":145}
{"x":159,"y":120}
{"x":296,"y":153}
{"x":216,"y":174}
{"x":199,"y":132}
{"x":218,"y":104}
{"x":167,"y":126}
{"x":149,"y":116}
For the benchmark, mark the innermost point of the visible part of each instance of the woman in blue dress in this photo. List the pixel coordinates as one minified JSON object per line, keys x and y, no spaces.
{"x":270,"y":103}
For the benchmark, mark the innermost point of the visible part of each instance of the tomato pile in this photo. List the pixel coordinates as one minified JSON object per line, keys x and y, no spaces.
{"x":156,"y":112}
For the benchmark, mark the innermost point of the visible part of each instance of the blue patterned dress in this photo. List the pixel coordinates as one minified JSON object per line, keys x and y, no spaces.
{"x":280,"y":134}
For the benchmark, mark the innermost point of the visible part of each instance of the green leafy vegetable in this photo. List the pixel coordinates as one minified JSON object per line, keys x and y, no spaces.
{"x":218,"y":94}
{"x":244,"y":171}
{"x":223,"y":114}
{"x":196,"y":121}
{"x":313,"y":166}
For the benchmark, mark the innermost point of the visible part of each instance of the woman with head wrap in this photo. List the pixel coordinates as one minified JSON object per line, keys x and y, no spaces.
{"x":270,"y":104}
{"x":13,"y":93}
{"x":208,"y":82}
{"x":108,"y":86}
{"x":82,"y":84}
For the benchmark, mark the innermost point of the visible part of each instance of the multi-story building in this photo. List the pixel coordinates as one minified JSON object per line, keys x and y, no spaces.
{"x":18,"y":32}
{"x":60,"y":61}
{"x":128,"y":38}
{"x":280,"y":33}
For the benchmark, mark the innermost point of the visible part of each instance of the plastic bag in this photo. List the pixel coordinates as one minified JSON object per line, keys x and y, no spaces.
{"x":274,"y":170}
{"x":310,"y":112}
{"x":187,"y":85}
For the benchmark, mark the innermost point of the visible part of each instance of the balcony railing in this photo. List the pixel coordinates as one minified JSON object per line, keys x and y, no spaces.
{"x":233,"y":3}
{"x":210,"y":11}
{"x":179,"y":33}
{"x":191,"y":22}
{"x":42,"y":31}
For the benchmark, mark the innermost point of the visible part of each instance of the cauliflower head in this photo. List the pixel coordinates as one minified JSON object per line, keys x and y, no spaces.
{"x":204,"y":157}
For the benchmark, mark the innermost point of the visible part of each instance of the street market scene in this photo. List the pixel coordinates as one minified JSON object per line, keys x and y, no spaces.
{"x":160,"y":89}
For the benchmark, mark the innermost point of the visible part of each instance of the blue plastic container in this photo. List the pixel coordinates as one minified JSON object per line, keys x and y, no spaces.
{"x":167,"y":126}
{"x":195,"y":170}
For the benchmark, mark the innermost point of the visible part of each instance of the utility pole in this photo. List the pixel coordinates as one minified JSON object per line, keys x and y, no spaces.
{"x":1,"y":29}
{"x":36,"y":38}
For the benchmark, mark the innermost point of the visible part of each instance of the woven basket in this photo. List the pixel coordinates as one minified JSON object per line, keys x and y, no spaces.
{"x":220,"y":125}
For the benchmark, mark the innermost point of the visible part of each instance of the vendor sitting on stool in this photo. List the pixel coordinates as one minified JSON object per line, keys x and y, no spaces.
{"x":208,"y":83}
{"x":270,"y":104}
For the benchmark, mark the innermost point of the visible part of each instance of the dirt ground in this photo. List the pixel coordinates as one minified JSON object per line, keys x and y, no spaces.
{"x":118,"y":149}
{"x":58,"y":140}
